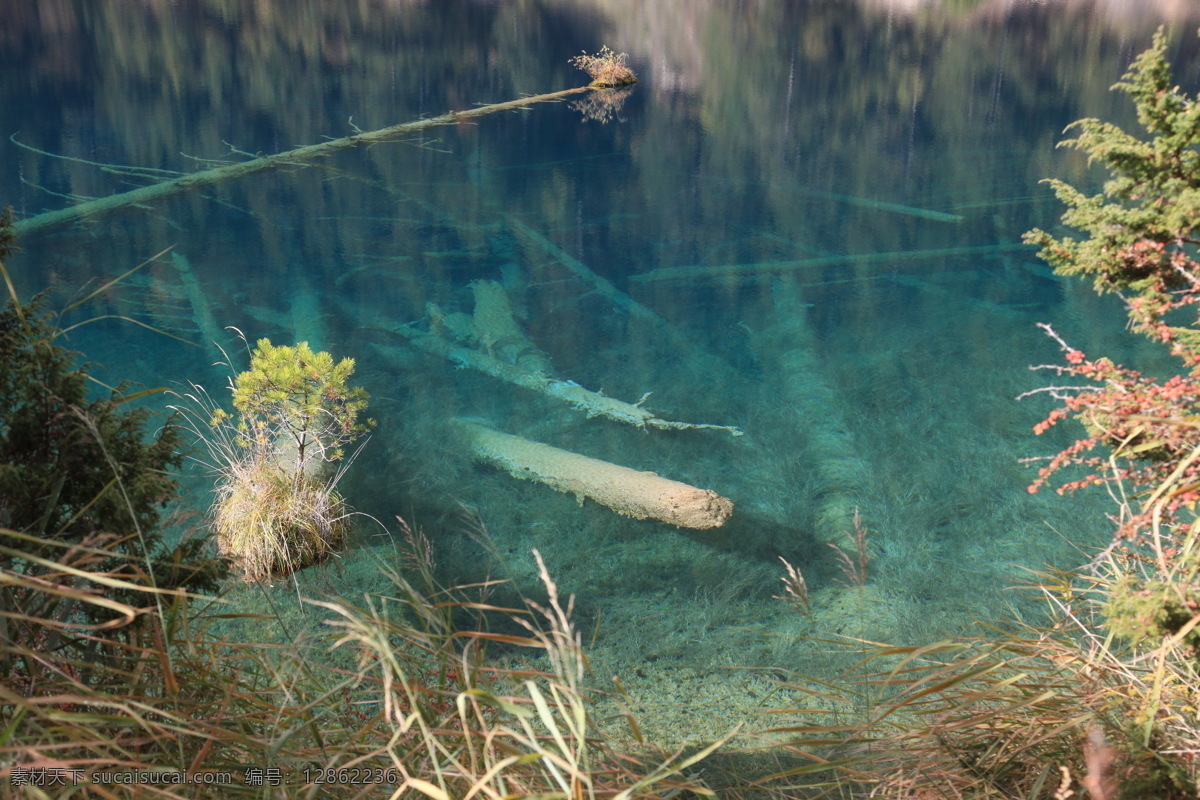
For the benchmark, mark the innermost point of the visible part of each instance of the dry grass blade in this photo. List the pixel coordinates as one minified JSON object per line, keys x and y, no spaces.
{"x":496,"y":734}
{"x":996,"y":719}
{"x":117,"y":280}
{"x":855,"y":567}
{"x":795,"y":589}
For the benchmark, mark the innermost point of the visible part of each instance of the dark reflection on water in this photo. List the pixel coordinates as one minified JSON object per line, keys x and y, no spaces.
{"x":783,"y":150}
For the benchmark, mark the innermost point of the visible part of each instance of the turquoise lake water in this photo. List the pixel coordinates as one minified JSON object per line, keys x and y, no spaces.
{"x":803,"y":221}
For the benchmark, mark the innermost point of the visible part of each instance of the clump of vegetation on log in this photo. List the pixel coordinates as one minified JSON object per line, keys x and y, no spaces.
{"x":608,"y":69}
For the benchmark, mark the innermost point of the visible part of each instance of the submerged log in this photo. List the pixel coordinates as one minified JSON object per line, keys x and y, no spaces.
{"x":600,"y":285}
{"x":813,"y":402}
{"x":883,"y":205}
{"x":291,"y":158}
{"x":490,"y":341}
{"x":796,"y":265}
{"x":212,"y":335}
{"x":592,"y":403}
{"x":641,"y":495}
{"x":679,"y":340}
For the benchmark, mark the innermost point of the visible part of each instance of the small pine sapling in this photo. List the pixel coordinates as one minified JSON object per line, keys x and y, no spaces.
{"x":296,"y":407}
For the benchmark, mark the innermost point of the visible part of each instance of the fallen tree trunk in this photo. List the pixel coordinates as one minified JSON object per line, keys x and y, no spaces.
{"x":640,"y":495}
{"x":601,"y":286}
{"x":211,"y":334}
{"x":492,"y":342}
{"x":682,"y":342}
{"x":291,"y":158}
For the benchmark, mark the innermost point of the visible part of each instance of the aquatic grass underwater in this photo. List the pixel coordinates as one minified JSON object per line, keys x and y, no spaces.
{"x":885,"y":402}
{"x":650,"y":588}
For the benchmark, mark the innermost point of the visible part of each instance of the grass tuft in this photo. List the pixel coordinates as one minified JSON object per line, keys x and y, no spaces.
{"x":1039,"y":710}
{"x":275,"y":523}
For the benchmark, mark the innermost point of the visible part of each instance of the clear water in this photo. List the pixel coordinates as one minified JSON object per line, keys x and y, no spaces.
{"x":762,"y":136}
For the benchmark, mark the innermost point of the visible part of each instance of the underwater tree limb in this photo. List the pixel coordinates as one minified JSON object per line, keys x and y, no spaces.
{"x":679,"y":341}
{"x":211,"y":333}
{"x":148,"y":173}
{"x":592,"y":403}
{"x":600,"y":285}
{"x":291,"y":158}
{"x":768,"y":267}
{"x":841,"y":472}
{"x":883,"y":205}
{"x":631,"y":493}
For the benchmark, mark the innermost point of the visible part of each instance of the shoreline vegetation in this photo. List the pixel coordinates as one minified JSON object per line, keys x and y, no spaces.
{"x":113,"y":665}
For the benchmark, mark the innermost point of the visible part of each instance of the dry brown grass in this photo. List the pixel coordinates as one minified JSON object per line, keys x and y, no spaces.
{"x":1053,"y":707}
{"x":423,"y":714}
{"x":273,"y":523}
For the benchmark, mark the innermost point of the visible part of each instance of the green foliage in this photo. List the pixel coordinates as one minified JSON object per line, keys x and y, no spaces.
{"x":1147,"y":611}
{"x":73,"y":467}
{"x":56,"y":479}
{"x":1139,"y":240}
{"x":1141,"y":228}
{"x":296,"y":402}
{"x":8,"y":239}
{"x":82,"y":488}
